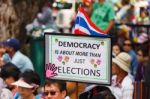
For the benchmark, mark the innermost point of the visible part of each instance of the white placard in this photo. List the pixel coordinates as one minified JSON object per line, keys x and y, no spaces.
{"x":78,"y":58}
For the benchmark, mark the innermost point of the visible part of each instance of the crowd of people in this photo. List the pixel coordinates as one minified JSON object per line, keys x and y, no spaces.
{"x":130,"y":60}
{"x":20,"y":81}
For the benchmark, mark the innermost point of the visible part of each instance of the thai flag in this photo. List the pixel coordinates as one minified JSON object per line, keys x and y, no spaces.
{"x":84,"y":26}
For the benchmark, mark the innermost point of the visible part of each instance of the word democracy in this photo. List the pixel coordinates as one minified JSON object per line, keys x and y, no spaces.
{"x":78,"y":45}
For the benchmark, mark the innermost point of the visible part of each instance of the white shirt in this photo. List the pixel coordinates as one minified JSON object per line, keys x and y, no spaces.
{"x":124,"y":90}
{"x":67,"y":97}
{"x":6,"y":94}
{"x":2,"y":84}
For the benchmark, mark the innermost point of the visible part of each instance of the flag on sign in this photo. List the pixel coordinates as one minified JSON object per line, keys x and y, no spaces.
{"x":84,"y":26}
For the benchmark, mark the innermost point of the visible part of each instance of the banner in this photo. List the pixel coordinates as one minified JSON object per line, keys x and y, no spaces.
{"x":78,"y":58}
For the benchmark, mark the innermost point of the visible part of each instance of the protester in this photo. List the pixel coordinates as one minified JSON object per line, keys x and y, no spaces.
{"x":106,"y":94}
{"x":102,"y":14}
{"x":122,"y":83}
{"x":143,"y":18}
{"x":5,"y":94}
{"x":10,"y":73}
{"x":86,"y":5}
{"x":141,"y":65}
{"x":134,"y":62}
{"x":116,"y":49}
{"x":122,"y":34}
{"x":20,"y":60}
{"x":2,"y":51}
{"x":27,"y":85}
{"x":55,"y":89}
{"x":96,"y":92}
{"x":4,"y":57}
{"x":121,"y":15}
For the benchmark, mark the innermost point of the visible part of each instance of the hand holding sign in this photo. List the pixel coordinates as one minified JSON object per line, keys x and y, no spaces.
{"x":50,"y":70}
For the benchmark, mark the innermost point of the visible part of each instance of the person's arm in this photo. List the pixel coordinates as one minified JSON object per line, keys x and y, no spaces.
{"x":111,"y":17}
{"x":90,"y":10}
{"x":111,"y":24}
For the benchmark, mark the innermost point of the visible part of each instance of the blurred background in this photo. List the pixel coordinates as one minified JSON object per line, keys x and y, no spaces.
{"x":27,"y":20}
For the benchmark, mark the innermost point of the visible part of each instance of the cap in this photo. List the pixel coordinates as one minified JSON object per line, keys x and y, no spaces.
{"x":13,"y":42}
{"x":22,"y":83}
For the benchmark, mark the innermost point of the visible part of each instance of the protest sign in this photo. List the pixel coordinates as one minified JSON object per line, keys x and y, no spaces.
{"x":78,"y":58}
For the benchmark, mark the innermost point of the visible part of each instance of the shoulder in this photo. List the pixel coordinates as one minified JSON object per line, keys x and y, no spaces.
{"x":17,"y":56}
{"x":6,"y":94}
{"x":132,"y":53}
{"x":67,"y":97}
{"x":95,"y":5}
{"x":108,"y":5}
{"x":5,"y":90}
{"x":127,"y":82}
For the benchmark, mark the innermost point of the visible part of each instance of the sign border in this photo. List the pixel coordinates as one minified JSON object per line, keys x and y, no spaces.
{"x":45,"y":56}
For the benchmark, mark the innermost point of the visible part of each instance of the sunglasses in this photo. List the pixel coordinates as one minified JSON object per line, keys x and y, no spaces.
{"x":127,"y":44}
{"x":52,"y":93}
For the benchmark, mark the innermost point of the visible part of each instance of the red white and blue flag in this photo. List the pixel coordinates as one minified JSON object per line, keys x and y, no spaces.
{"x":84,"y":26}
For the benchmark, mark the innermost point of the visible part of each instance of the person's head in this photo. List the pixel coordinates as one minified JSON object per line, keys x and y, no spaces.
{"x":28,"y":83}
{"x":87,"y":3}
{"x":116,"y":49}
{"x":125,"y":2}
{"x":97,"y":92}
{"x":121,"y":63}
{"x":123,"y":31}
{"x":9,"y":73}
{"x":2,"y":49}
{"x":127,"y":45}
{"x":140,"y":55}
{"x":55,"y":89}
{"x":106,"y":94}
{"x":12,"y":45}
{"x":143,"y":12}
{"x":101,"y":1}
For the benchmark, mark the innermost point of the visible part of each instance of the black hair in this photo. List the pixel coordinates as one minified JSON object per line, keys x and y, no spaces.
{"x":125,"y":2}
{"x":106,"y":94}
{"x":117,"y":44}
{"x":61,"y":84}
{"x":30,"y":77}
{"x":98,"y":92}
{"x":142,"y":9}
{"x":10,"y":70}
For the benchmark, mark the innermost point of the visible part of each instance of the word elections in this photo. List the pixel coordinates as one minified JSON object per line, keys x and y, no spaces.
{"x":78,"y":71}
{"x":78,"y":45}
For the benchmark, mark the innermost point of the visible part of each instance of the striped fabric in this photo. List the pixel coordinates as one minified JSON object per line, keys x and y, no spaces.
{"x":84,"y":26}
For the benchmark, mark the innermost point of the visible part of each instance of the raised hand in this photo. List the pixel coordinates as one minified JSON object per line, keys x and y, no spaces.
{"x":50,"y":70}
